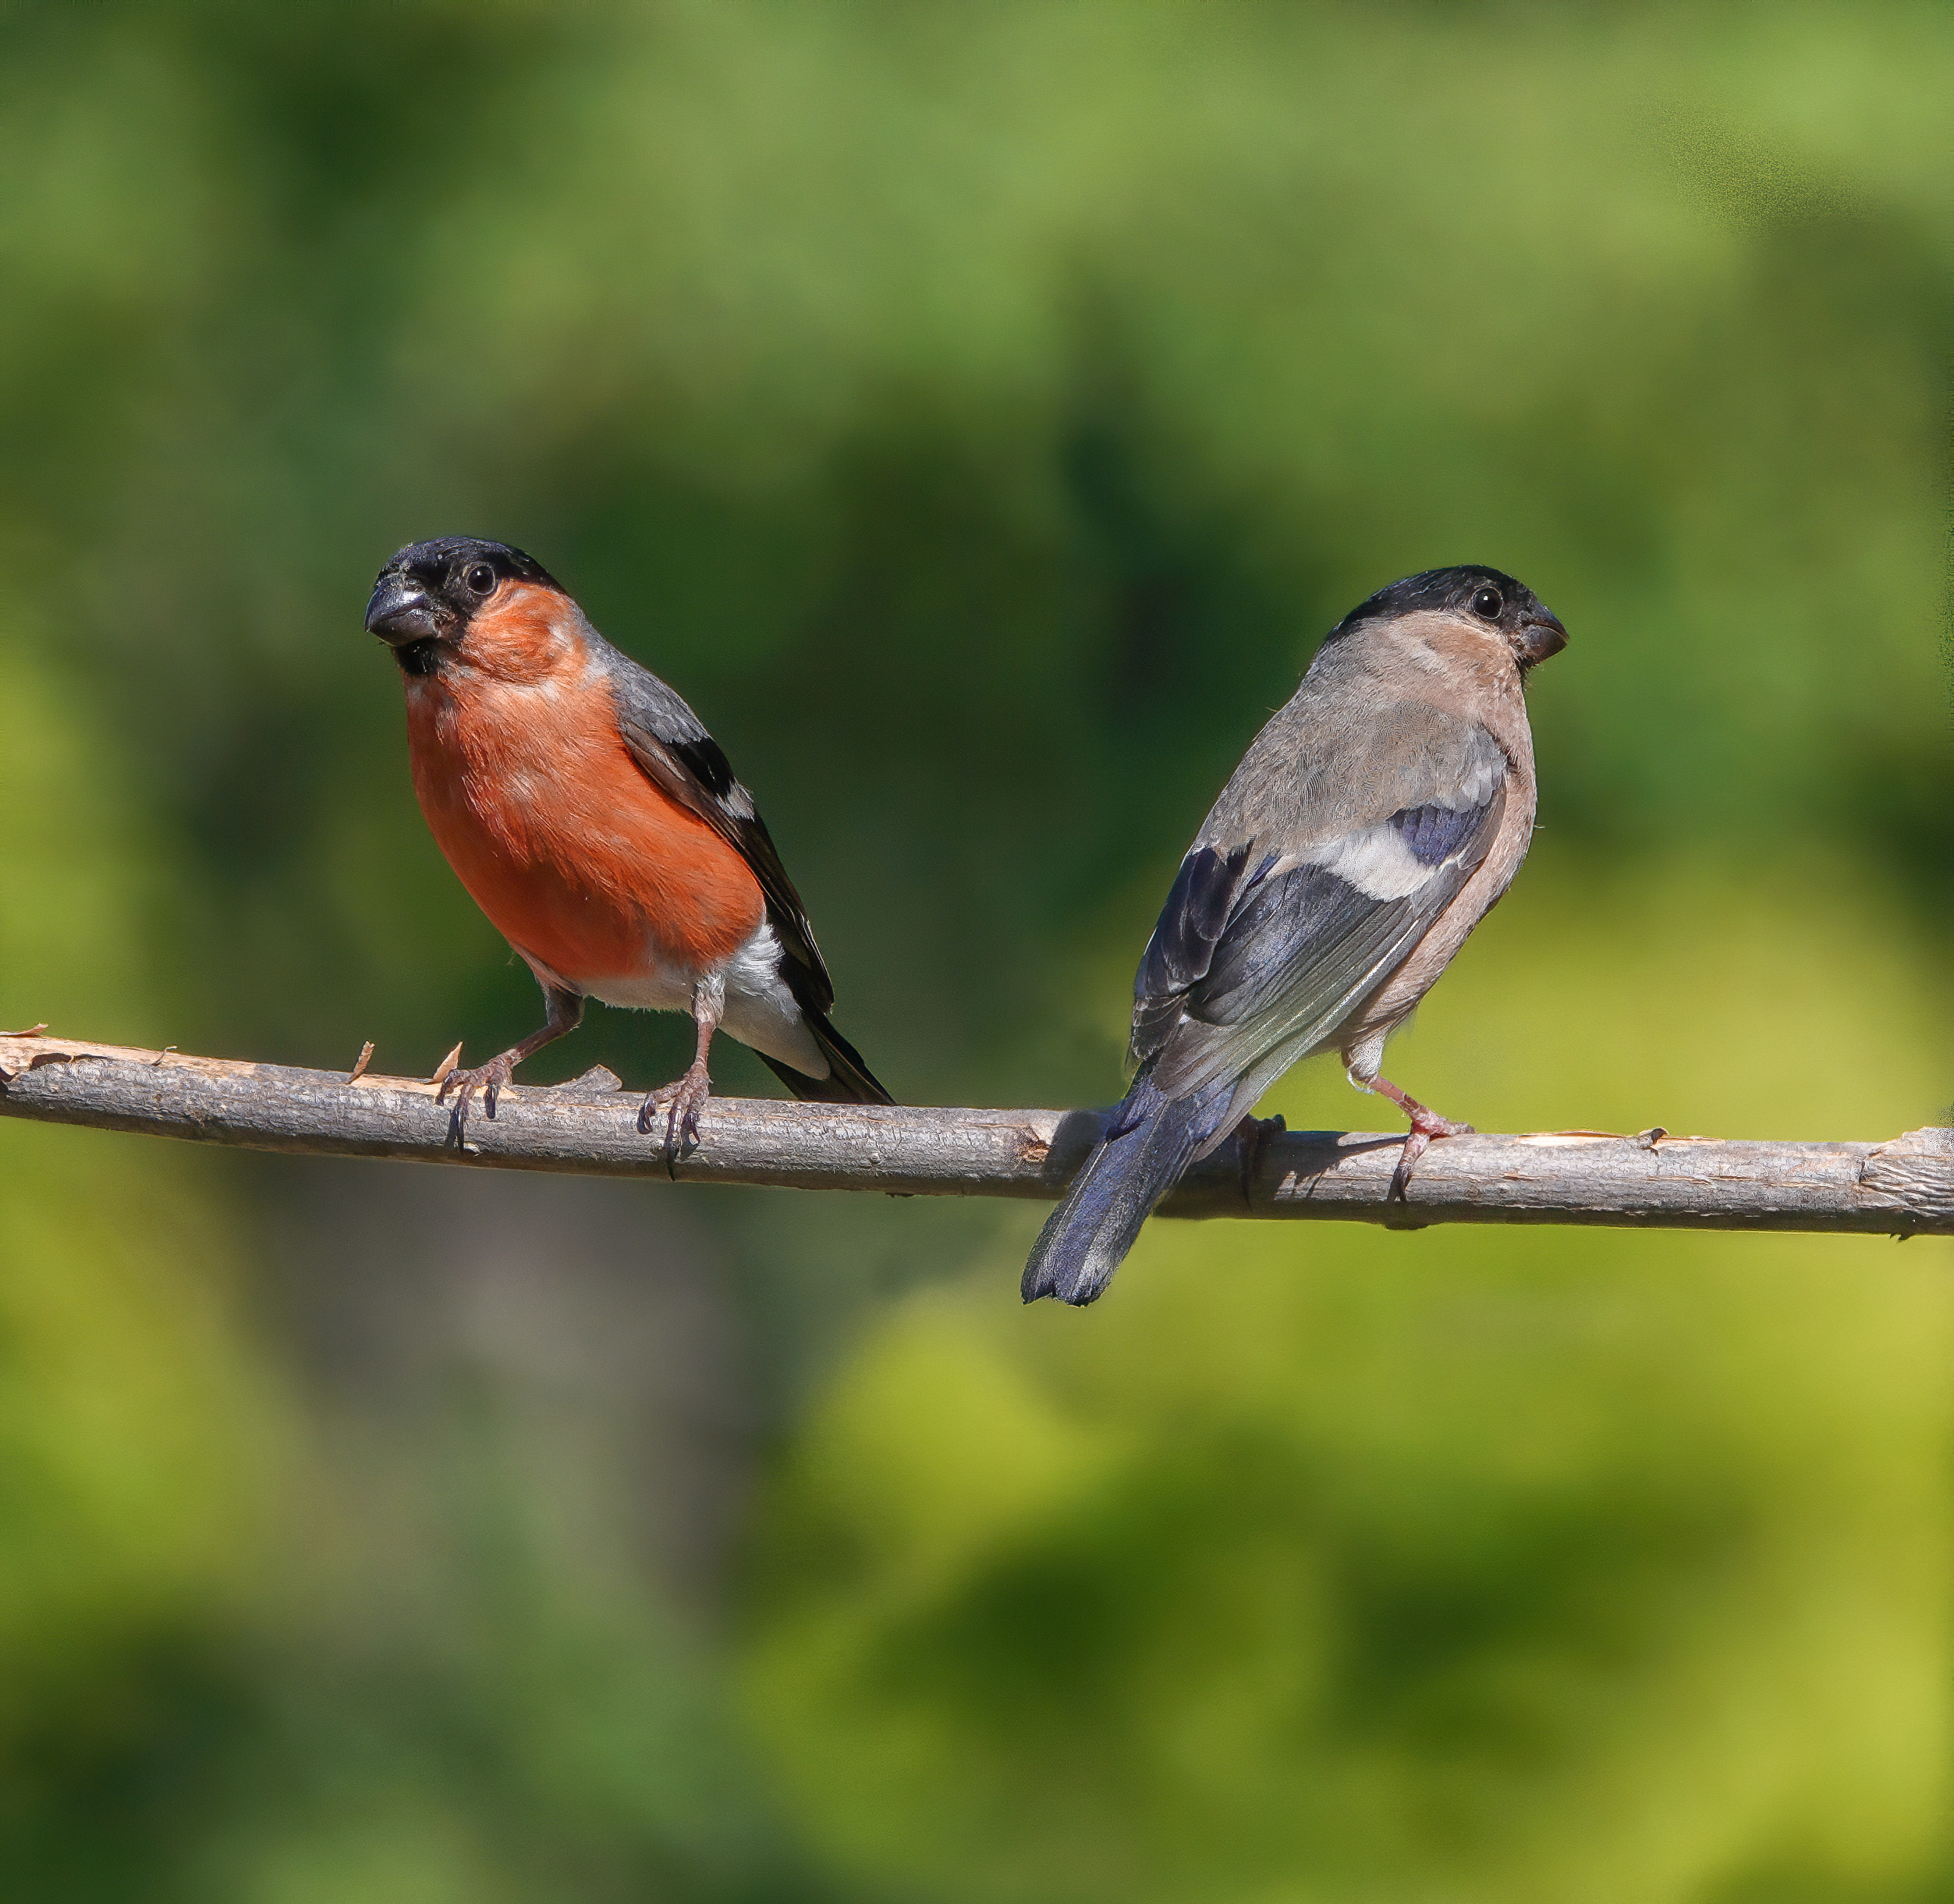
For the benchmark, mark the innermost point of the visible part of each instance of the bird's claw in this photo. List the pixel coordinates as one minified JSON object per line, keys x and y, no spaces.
{"x":488,"y":1079}
{"x":680,"y":1101}
{"x":1425,"y":1126}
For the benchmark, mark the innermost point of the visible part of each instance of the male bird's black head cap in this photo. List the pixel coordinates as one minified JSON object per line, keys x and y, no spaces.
{"x":428,"y":591}
{"x":1490,"y":597}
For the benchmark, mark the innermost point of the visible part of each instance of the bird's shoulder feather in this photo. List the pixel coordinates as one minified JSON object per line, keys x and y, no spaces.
{"x":671,"y":745}
{"x":1348,"y":750}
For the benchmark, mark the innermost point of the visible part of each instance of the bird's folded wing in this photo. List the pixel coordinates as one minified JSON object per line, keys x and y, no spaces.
{"x":1274,"y":943}
{"x":668,"y":740}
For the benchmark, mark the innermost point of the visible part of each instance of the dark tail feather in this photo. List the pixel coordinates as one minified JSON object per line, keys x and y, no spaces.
{"x":1087,"y":1237}
{"x":848,"y":1081}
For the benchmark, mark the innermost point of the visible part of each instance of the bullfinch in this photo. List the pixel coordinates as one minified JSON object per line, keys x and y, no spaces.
{"x":1372,"y":823}
{"x":599,"y":826}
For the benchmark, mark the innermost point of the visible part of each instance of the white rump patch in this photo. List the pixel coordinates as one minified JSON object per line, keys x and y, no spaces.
{"x":761,"y":1012}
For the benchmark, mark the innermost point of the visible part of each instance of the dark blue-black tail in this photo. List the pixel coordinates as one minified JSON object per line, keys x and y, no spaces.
{"x":1149,"y":1141}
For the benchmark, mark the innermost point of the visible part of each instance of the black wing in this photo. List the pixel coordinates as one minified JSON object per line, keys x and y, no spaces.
{"x":669,"y":741}
{"x":1248,"y":958}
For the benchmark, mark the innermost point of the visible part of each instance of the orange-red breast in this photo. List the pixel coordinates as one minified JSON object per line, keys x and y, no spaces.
{"x":598,"y":825}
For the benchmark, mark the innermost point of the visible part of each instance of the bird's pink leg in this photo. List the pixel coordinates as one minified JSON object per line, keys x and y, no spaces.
{"x":1426,"y":1124}
{"x":565,"y":1013}
{"x":684,"y":1095}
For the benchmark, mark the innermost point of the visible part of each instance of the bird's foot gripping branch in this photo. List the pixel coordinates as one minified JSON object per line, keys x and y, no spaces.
{"x":1901,"y":1187}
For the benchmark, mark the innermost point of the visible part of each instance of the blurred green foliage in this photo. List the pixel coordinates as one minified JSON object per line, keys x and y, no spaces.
{"x":978,"y":414}
{"x":1486,"y":1563}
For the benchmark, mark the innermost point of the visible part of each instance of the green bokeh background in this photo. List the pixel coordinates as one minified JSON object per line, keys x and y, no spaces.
{"x":978,"y":412}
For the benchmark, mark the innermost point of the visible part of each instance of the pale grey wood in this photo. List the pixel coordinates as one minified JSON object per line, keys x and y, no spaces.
{"x":1901,"y":1187}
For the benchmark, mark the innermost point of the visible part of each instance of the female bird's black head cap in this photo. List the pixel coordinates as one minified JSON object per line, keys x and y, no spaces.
{"x":1488,"y":596}
{"x":1441,"y":588}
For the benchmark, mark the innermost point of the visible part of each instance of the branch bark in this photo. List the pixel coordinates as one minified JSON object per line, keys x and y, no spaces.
{"x":1903,"y":1187}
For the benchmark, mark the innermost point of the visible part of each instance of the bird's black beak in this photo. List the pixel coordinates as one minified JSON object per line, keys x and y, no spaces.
{"x":1540,"y":636}
{"x":402,"y":612}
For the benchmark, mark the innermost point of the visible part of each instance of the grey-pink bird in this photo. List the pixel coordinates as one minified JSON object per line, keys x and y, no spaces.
{"x":1372,"y":823}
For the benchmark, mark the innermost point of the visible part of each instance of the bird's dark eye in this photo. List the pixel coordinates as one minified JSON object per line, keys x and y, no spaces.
{"x":481,"y":578}
{"x":1488,"y":602}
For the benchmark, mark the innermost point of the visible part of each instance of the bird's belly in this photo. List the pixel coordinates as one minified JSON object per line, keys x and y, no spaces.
{"x":583,"y":865}
{"x":759,"y":1009}
{"x":655,"y":988}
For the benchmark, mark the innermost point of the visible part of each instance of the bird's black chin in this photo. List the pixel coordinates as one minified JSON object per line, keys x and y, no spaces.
{"x":419,"y":658}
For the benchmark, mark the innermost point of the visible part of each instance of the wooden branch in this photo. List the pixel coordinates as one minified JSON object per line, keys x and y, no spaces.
{"x":1904,"y":1187}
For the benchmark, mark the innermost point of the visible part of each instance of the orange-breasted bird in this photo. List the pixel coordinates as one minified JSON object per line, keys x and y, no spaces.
{"x":597,"y":824}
